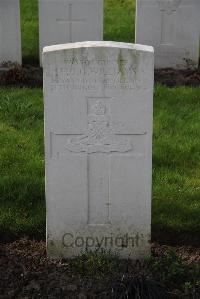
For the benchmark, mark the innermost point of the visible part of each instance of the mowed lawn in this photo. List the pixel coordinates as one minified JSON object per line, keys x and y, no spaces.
{"x":176,"y":161}
{"x":119,"y":25}
{"x":176,"y":148}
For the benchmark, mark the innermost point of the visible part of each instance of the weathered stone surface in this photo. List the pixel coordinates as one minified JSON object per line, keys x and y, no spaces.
{"x":172,"y":28}
{"x":66,"y":21}
{"x":98,"y":134}
{"x":10,"y":32}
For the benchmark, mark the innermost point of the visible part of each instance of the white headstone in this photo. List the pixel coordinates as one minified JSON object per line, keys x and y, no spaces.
{"x":172,"y":28}
{"x":67,"y":21}
{"x":98,"y":135}
{"x":10,"y":32}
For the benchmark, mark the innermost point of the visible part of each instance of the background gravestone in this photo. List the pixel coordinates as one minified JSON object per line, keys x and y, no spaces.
{"x":172,"y":28}
{"x":98,"y":136}
{"x":66,"y":21}
{"x":10,"y":32}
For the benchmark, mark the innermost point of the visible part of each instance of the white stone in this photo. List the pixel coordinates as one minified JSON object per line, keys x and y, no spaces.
{"x":98,"y":135}
{"x":67,"y":21}
{"x":10,"y":32}
{"x":172,"y":28}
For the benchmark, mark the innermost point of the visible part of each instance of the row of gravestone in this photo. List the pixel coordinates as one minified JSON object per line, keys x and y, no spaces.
{"x":172,"y":27}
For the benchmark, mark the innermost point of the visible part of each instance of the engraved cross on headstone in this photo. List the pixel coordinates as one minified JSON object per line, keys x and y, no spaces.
{"x":70,"y":21}
{"x":168,"y":11}
{"x":98,"y":143}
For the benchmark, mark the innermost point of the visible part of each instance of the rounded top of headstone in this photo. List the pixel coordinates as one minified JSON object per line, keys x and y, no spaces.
{"x":98,"y":44}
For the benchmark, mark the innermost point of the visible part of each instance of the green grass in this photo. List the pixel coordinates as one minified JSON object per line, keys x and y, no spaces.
{"x":119,"y":20}
{"x":30,"y":31}
{"x":119,"y":25}
{"x":21,"y":161}
{"x":176,"y":160}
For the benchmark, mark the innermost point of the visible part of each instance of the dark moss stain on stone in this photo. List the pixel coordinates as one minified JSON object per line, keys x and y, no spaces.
{"x":121,"y":65}
{"x":135,"y":57}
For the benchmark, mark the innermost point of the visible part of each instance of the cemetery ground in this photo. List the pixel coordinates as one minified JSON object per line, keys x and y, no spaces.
{"x":176,"y":207}
{"x":173,"y":271}
{"x":176,"y":163}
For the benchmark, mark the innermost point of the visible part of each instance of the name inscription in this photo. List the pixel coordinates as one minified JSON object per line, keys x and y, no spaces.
{"x":84,"y":74}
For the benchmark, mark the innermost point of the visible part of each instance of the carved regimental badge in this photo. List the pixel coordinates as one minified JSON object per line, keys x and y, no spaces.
{"x":100,"y":135}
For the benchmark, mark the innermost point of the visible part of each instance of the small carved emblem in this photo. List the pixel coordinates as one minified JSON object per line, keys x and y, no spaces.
{"x":100,"y":136}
